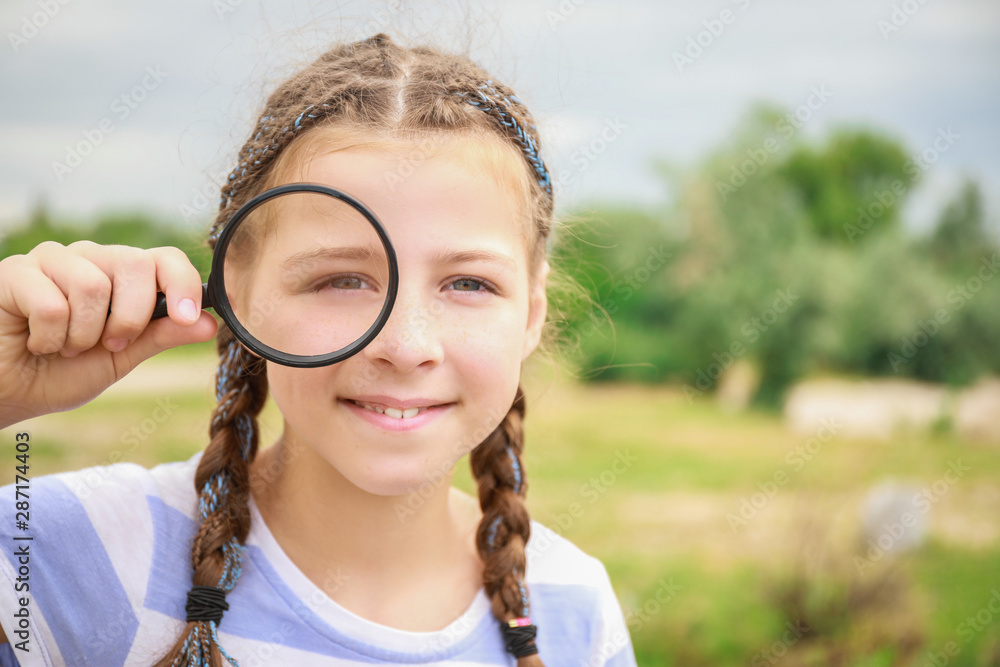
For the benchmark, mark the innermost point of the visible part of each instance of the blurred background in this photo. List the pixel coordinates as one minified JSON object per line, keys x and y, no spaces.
{"x":780,"y":405}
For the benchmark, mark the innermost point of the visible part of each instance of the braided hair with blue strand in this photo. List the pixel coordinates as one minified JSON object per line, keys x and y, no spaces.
{"x":223,"y":483}
{"x":378,"y":90}
{"x":504,"y":530}
{"x":502,"y":106}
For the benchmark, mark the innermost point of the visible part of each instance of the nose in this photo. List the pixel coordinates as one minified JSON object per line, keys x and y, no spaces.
{"x":410,"y":337}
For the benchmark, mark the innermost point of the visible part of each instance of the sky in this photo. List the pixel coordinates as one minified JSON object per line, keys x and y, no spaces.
{"x":111,"y":106}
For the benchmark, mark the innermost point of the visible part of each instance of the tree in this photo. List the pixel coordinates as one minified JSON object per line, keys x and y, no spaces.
{"x":854,"y":183}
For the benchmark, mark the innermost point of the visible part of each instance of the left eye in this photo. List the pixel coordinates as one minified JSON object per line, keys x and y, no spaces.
{"x":470,"y":285}
{"x":340,"y":282}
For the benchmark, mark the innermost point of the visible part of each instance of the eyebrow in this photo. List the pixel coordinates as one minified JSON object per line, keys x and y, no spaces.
{"x":327,"y":252}
{"x":365,"y":252}
{"x":459,"y":256}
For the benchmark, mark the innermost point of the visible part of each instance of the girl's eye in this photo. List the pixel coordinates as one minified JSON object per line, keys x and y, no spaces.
{"x":343,"y":282}
{"x":472,"y":285}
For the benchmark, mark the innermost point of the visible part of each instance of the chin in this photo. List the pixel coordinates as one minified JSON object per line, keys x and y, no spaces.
{"x":402,"y":480}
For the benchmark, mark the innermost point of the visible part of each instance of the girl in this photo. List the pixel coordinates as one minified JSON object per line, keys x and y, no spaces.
{"x":313,"y":550}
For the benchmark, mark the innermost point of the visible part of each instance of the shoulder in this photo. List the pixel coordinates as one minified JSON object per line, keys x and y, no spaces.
{"x":554,"y":559}
{"x":89,"y":535}
{"x":573,"y":600}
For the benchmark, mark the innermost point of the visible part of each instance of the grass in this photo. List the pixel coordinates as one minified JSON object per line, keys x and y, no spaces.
{"x":661,"y":516}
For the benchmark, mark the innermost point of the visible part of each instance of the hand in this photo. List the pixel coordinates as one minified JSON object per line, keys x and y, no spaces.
{"x":59,"y":348}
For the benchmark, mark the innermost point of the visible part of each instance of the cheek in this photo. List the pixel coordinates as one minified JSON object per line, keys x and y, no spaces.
{"x":491,"y":344}
{"x":292,"y":389}
{"x":488,"y":359}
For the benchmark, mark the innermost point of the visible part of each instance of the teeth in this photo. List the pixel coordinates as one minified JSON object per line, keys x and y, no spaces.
{"x":395,"y":413}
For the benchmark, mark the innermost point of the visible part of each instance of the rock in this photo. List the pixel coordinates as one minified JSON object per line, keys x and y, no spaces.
{"x":870,"y":408}
{"x":892,"y":521}
{"x":976,"y":412}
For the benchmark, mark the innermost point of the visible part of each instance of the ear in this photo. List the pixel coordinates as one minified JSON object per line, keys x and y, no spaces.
{"x":538,"y":305}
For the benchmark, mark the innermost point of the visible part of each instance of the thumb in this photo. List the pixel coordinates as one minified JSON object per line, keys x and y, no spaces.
{"x":164,"y":334}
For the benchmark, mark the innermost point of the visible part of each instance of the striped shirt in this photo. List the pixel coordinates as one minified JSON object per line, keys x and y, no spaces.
{"x":109,"y":566}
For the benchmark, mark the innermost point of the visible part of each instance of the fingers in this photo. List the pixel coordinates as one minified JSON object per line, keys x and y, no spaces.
{"x":43,"y":307}
{"x":75,"y":325}
{"x":180,"y":281}
{"x":137,"y":275}
{"x":65,"y":294}
{"x":133,"y":291}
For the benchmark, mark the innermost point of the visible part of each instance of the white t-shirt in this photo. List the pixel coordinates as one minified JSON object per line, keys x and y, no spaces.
{"x":108,"y":568}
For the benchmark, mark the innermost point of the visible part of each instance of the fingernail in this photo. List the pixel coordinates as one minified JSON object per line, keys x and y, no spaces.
{"x":116,"y":344}
{"x":187,"y":309}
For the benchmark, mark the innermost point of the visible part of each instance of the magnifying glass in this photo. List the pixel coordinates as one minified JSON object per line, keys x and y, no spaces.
{"x":304,"y":275}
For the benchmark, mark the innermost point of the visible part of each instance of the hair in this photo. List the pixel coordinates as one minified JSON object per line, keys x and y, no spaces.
{"x":369,"y":91}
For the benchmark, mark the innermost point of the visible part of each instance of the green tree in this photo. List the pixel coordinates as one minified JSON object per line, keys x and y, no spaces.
{"x":855,"y":183}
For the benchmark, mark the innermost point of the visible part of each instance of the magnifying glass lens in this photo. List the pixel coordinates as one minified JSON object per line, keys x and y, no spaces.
{"x":306,"y":274}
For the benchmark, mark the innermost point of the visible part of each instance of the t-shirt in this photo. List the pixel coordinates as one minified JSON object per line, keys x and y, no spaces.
{"x":108,"y":568}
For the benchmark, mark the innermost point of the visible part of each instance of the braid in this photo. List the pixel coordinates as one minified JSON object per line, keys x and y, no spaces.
{"x":505,"y":108}
{"x":505,"y":529}
{"x":223,"y":484}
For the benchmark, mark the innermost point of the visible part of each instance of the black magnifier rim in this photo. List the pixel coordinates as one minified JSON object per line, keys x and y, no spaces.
{"x":220,"y":300}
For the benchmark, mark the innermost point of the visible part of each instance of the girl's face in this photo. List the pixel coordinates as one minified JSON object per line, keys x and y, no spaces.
{"x":466,"y":315}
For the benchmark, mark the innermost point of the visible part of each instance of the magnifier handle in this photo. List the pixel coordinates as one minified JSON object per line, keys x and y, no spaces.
{"x":160,"y":310}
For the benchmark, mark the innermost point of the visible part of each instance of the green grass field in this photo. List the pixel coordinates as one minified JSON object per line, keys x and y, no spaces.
{"x":650,"y":484}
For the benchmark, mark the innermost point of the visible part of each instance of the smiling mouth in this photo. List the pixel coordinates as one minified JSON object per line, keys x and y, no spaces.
{"x":395,"y":413}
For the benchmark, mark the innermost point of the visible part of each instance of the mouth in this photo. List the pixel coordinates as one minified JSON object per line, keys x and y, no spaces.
{"x":393,"y":412}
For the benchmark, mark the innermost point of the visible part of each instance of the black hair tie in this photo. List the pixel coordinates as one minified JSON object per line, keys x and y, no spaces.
{"x":519,"y":639}
{"x":205,"y":603}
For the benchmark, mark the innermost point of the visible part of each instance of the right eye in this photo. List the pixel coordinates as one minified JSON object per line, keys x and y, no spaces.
{"x":340,"y":282}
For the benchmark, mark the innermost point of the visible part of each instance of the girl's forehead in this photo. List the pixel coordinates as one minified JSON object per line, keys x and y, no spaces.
{"x":432,"y":183}
{"x":399,"y":159}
